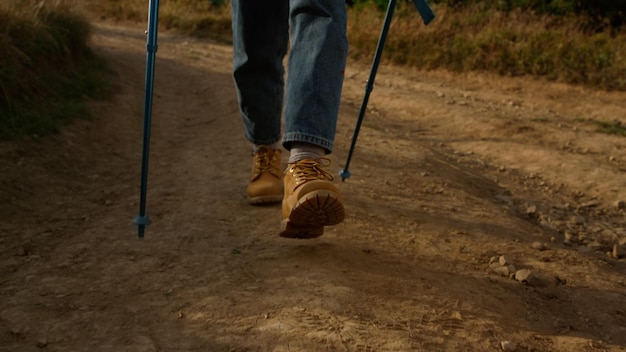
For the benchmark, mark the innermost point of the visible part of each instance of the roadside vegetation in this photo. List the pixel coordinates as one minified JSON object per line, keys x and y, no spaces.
{"x":47,"y":69}
{"x":572,"y":41}
{"x":200,"y":18}
{"x":559,"y":43}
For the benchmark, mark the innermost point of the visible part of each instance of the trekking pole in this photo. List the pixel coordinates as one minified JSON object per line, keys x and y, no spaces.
{"x":427,"y":15}
{"x":142,"y":220}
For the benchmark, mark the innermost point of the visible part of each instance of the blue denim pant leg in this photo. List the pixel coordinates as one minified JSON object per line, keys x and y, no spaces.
{"x":317,"y":61}
{"x":260,"y":42}
{"x":316,"y":65}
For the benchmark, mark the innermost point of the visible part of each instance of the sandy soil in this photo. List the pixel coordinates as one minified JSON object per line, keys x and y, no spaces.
{"x":483,"y":214}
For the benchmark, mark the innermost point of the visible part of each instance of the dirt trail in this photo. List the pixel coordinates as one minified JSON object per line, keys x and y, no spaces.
{"x":450,"y":173}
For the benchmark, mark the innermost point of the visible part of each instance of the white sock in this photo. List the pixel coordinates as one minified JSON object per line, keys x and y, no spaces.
{"x":300,"y":150}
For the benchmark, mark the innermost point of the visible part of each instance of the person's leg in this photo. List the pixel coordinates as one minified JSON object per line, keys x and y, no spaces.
{"x":316,"y":69}
{"x":260,"y":41}
{"x":316,"y":66}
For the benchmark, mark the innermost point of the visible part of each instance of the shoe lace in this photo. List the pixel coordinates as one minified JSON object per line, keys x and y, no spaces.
{"x":263,"y":162}
{"x":310,"y":169}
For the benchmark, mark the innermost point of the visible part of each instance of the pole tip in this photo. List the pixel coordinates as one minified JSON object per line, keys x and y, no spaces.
{"x":141,"y":222}
{"x":344,"y":174}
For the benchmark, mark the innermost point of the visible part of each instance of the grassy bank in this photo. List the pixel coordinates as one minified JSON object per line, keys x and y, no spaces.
{"x":512,"y":43}
{"x":46,"y":68}
{"x":194,"y":17}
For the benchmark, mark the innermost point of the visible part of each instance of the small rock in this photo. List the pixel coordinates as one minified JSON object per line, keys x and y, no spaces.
{"x":569,"y":237}
{"x":42,"y":342}
{"x":591,"y":204}
{"x":531,"y":210}
{"x":618,"y":251}
{"x":504,"y":260}
{"x":620,"y":204}
{"x":523,"y":275}
{"x":595,"y":245}
{"x":577,"y":220}
{"x":499,"y":269}
{"x":540,"y":246}
{"x":512,"y":270}
{"x":508,"y":346}
{"x":25,"y":249}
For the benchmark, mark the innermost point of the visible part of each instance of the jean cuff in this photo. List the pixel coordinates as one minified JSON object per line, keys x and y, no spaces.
{"x":307,"y":138}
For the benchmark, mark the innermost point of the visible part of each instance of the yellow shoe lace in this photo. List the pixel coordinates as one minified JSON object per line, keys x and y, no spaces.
{"x":263,"y":162}
{"x":310,"y":170}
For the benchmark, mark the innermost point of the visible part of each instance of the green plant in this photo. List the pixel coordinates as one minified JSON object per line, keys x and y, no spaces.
{"x":614,"y":127}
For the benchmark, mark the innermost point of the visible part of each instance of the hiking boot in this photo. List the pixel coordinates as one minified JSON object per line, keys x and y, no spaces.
{"x":265,"y":185}
{"x":311,"y":200}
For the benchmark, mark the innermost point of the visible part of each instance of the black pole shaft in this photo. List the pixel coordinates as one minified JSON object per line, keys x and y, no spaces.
{"x":151,"y":47}
{"x":370,"y":83}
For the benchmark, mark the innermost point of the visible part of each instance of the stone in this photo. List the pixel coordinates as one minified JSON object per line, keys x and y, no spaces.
{"x":512,"y":270}
{"x":540,"y":246}
{"x":595,"y":245}
{"x":499,"y":269}
{"x":524,"y":275}
{"x":577,"y":220}
{"x":42,"y":342}
{"x":504,"y":260}
{"x":569,"y":237}
{"x":508,"y":346}
{"x":25,"y":249}
{"x":531,"y":210}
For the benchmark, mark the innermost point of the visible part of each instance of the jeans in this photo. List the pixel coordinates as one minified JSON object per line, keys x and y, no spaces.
{"x":315,"y":33}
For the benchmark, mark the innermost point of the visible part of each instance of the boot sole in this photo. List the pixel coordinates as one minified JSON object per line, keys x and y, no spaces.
{"x":311,"y":213}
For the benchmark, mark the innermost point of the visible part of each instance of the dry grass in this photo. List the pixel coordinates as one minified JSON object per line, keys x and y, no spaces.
{"x":515,"y":43}
{"x":46,"y":67}
{"x":193,"y":17}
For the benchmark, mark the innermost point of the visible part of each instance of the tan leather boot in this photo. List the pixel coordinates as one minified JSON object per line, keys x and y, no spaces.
{"x":265,"y":183}
{"x":311,"y":201}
